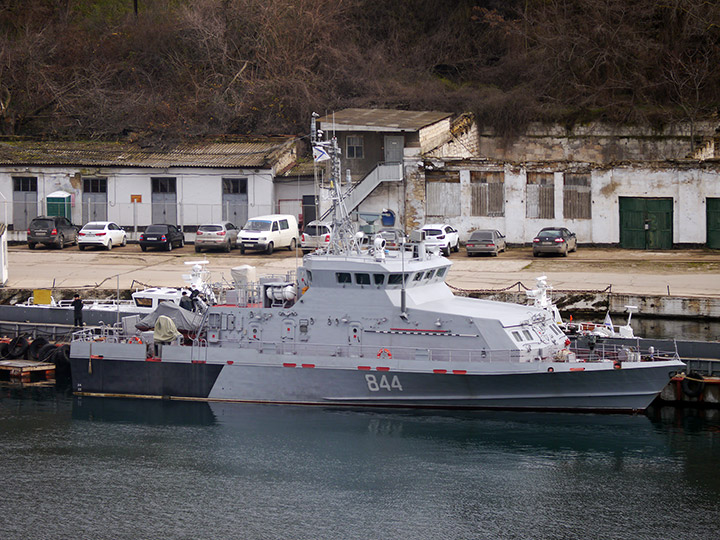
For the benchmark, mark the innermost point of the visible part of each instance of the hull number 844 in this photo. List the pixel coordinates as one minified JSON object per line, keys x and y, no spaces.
{"x":383,"y":382}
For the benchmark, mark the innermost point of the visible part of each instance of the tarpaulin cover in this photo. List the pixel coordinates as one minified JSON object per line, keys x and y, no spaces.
{"x":185,"y":321}
{"x":165,"y":330}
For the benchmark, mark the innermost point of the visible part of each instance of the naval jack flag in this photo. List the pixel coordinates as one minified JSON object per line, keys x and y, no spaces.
{"x":320,"y":154}
{"x":608,"y":321}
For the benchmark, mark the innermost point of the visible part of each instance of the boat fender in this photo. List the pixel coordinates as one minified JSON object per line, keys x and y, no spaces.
{"x":384,"y":353}
{"x":34,"y":349}
{"x":46,"y":352}
{"x":135,"y":339}
{"x":693,"y":384}
{"x":18,"y":347}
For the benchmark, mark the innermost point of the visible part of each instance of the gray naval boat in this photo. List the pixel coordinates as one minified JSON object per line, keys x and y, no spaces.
{"x":361,"y":325}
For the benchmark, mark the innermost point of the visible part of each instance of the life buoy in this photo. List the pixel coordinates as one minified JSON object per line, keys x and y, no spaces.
{"x":135,"y":339}
{"x":384,"y":353}
{"x":551,"y":369}
{"x":693,"y":384}
{"x":617,"y":364}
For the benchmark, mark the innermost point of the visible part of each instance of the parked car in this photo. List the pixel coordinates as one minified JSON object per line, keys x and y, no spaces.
{"x":101,"y":234}
{"x":316,"y":235}
{"x":393,"y":237}
{"x":269,"y":232}
{"x":162,"y":236}
{"x":222,"y":235}
{"x":51,"y":231}
{"x":485,"y":241}
{"x":554,"y":240}
{"x":443,"y":236}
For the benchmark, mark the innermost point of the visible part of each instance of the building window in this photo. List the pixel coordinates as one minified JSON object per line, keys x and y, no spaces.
{"x":442,"y":194}
{"x":234,"y":185}
{"x":95,"y":185}
{"x":488,"y":193}
{"x":354,"y":147}
{"x":163,"y":185}
{"x":24,"y":183}
{"x":540,"y":195}
{"x":576,"y":196}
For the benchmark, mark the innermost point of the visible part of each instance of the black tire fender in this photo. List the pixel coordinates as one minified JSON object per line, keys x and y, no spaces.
{"x":35,"y":348}
{"x":18,"y":347}
{"x":693,"y":384}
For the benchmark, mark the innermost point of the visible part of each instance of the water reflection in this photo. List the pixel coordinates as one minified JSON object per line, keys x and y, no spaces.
{"x":119,"y":468}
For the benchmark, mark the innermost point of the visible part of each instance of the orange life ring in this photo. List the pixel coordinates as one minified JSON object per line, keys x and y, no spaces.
{"x":135,"y":339}
{"x":386,"y":352}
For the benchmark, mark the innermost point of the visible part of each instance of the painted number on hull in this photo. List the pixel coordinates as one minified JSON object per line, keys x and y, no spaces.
{"x":376,"y":384}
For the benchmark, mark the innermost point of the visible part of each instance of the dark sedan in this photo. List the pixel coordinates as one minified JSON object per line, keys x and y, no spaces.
{"x":162,"y":236}
{"x":554,"y":240}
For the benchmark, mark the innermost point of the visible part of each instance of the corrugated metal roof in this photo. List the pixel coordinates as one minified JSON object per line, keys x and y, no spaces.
{"x":251,"y":154}
{"x":380,"y":120}
{"x":304,"y":168}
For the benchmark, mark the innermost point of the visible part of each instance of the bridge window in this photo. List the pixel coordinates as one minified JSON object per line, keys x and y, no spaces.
{"x":379,"y":279}
{"x":343,"y":277}
{"x":362,"y":279}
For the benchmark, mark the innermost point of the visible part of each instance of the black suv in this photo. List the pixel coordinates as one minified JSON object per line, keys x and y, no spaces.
{"x":51,"y":231}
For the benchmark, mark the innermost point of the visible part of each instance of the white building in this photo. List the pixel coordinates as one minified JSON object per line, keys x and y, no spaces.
{"x":636,"y":188}
{"x":186,"y":185}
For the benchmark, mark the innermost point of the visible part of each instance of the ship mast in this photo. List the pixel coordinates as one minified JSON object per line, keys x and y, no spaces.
{"x":342,"y":239}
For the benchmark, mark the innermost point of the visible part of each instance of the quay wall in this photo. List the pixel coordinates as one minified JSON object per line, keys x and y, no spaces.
{"x":600,"y":302}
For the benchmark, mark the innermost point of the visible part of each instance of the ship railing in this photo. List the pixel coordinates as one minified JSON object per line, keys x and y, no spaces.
{"x":622,"y":353}
{"x":379,"y":354}
{"x":109,"y":334}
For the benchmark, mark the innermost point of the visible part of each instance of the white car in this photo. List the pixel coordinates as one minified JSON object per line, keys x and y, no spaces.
{"x":443,"y":236}
{"x":101,"y":233}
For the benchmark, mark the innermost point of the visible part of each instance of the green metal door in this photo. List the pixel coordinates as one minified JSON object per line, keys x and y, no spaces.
{"x":713,"y":223}
{"x":646,"y":223}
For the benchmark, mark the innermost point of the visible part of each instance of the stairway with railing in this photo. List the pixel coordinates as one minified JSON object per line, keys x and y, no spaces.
{"x":384,"y":172}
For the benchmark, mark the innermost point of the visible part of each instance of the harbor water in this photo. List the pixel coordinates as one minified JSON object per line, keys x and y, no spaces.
{"x":116,"y":469}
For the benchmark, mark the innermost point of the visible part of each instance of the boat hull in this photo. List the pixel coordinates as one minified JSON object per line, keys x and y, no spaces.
{"x":274,"y":379}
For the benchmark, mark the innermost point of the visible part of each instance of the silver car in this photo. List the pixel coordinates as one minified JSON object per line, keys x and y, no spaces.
{"x":485,"y":241}
{"x":316,"y":235}
{"x":221,"y":235}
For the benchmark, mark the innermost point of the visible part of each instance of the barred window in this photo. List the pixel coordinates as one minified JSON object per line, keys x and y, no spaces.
{"x":234,"y":185}
{"x":95,"y":185}
{"x":354,"y":147}
{"x":488,"y":193}
{"x":442,"y":194}
{"x":24,"y":183}
{"x":540,"y":195}
{"x":577,"y":203}
{"x":163,"y":185}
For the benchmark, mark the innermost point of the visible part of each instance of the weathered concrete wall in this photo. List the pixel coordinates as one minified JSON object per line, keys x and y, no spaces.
{"x":601,"y":302}
{"x":592,"y":143}
{"x":688,"y":184}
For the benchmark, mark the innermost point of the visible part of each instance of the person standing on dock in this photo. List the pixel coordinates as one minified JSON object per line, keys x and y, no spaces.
{"x":77,"y":305}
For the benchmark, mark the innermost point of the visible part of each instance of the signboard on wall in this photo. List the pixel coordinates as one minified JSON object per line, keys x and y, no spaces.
{"x":135,"y":198}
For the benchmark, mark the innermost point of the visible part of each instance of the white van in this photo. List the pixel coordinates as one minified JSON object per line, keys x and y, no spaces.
{"x":267,"y":233}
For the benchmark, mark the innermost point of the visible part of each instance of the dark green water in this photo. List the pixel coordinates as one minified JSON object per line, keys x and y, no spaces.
{"x":116,"y":469}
